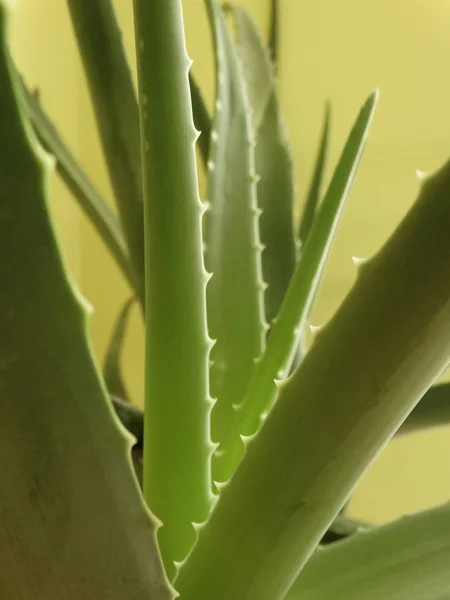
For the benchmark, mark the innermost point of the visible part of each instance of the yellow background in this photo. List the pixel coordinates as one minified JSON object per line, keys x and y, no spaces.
{"x":329,"y":49}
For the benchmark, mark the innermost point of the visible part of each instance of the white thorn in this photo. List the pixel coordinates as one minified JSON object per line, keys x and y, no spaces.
{"x":211,"y":166}
{"x":207,"y":275}
{"x":358,"y":261}
{"x":314,"y":329}
{"x":197,"y":527}
{"x":422,"y":175}
{"x":246,"y":438}
{"x":220,"y":485}
{"x":197,"y":134}
{"x":214,"y":135}
{"x":219,"y":453}
{"x":177,"y":564}
{"x":213,"y":446}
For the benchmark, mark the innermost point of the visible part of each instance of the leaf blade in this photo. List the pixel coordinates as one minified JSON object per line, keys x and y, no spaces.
{"x":313,"y":196}
{"x":177,"y":448}
{"x":273,"y":164}
{"x":407,"y":559}
{"x":334,"y":414}
{"x":288,"y":329}
{"x":66,"y":475}
{"x":117,"y":115}
{"x":90,"y":201}
{"x":233,"y":253}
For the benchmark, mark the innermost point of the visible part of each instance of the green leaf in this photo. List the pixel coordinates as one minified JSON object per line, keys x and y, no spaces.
{"x":432,"y":411}
{"x":114,"y":100}
{"x":288,"y":328}
{"x":94,"y":206}
{"x":334,"y":414}
{"x":72,"y":521}
{"x":313,"y":197}
{"x":177,"y":447}
{"x":111,"y":368}
{"x":404,"y":560}
{"x":273,"y":164}
{"x":233,"y":251}
{"x":202,"y":120}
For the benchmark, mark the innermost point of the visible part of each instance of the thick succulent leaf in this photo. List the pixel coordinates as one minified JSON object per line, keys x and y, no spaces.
{"x":334,"y":415}
{"x":313,"y":196}
{"x":432,"y":411}
{"x":233,"y":252}
{"x":202,"y":120}
{"x":177,"y":447}
{"x":273,"y":165}
{"x":112,"y":372}
{"x":91,"y":202}
{"x":288,"y":328}
{"x":405,"y":560}
{"x":114,"y":100}
{"x":72,"y":521}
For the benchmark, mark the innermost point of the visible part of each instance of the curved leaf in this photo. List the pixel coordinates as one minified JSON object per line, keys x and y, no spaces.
{"x":289,"y":326}
{"x":334,"y":414}
{"x":313,"y":197}
{"x":73,"y":523}
{"x":405,"y":560}
{"x":95,"y":207}
{"x":114,"y":100}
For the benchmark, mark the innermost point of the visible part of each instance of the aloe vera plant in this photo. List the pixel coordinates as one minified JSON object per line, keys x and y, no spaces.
{"x":230,"y":484}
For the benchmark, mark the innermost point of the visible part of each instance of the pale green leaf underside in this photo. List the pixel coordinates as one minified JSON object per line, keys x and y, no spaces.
{"x":72,"y":521}
{"x":405,"y":560}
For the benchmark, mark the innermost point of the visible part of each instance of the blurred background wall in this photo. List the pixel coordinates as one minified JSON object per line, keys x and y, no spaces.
{"x":330,"y":50}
